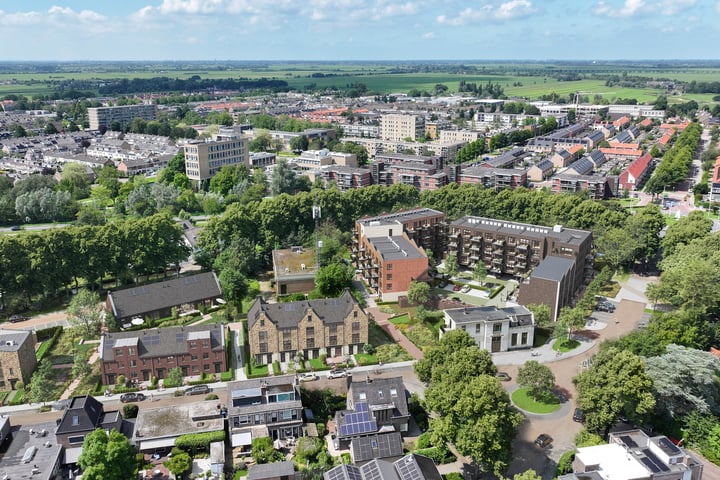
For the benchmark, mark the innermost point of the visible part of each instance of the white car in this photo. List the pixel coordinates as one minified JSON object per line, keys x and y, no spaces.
{"x":336,"y":374}
{"x":308,"y":377}
{"x":465,"y":289}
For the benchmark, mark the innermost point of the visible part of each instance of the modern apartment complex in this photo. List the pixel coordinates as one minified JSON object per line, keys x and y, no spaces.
{"x":397,"y":127}
{"x":203,"y":159}
{"x":329,"y":326}
{"x":105,"y":116}
{"x":143,"y":354}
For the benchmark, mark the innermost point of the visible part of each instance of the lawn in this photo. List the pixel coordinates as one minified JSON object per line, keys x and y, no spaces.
{"x":41,"y":350}
{"x":377,"y":336}
{"x":365,"y":359}
{"x":403,"y":319}
{"x":522,"y":399}
{"x":565,"y":345}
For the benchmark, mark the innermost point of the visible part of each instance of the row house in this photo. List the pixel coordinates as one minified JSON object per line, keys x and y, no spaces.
{"x":595,"y":185}
{"x":541,"y":170}
{"x":636,"y":173}
{"x":513,"y":248}
{"x":715,"y":182}
{"x":497,"y":178}
{"x":264,"y":407}
{"x":507,"y":159}
{"x":329,"y":326}
{"x":144,"y":354}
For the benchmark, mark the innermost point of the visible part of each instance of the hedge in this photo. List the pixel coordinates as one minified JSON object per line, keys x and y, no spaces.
{"x":276,"y":368}
{"x":440,"y":455}
{"x":49,"y":336}
{"x":199,"y":442}
{"x":226,"y":376}
{"x":495,"y":292}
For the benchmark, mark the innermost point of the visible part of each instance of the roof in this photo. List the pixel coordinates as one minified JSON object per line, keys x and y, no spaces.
{"x":158,"y":342}
{"x":566,"y":235}
{"x":178,"y":419}
{"x":12,"y":340}
{"x":47,"y":453}
{"x":84,"y":414}
{"x":140,"y":300}
{"x":490,"y":314}
{"x":403,"y":216}
{"x":382,"y":445}
{"x":379,"y":391}
{"x":582,"y":166}
{"x":293,"y":262}
{"x":271,"y":470}
{"x":639,"y":165}
{"x":396,"y":248}
{"x":289,"y":315}
{"x":544,"y":164}
{"x":626,"y":152}
{"x":553,"y":268}
{"x":410,"y":467}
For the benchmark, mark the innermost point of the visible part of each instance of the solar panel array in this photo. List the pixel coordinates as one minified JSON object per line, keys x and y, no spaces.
{"x":372,"y":471}
{"x":408,"y":469}
{"x":151,"y":340}
{"x":668,"y":447}
{"x":653,"y":463}
{"x":359,"y":422}
{"x":628,"y":441}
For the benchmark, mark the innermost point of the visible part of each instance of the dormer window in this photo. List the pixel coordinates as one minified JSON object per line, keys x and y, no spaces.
{"x":380,"y":394}
{"x":393,"y":392}
{"x":363,"y":396}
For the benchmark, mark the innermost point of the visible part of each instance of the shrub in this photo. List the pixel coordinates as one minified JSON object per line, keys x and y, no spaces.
{"x":121,"y":380}
{"x":226,"y":376}
{"x":211,"y":396}
{"x":276,"y":368}
{"x":369,"y":349}
{"x":19,"y":386}
{"x":153,"y":382}
{"x":440,"y":455}
{"x":320,"y":429}
{"x":453,"y":476}
{"x":565,"y":463}
{"x":199,"y":442}
{"x":130,"y":411}
{"x":423,"y":441}
{"x":345,"y":458}
{"x":45,"y":408}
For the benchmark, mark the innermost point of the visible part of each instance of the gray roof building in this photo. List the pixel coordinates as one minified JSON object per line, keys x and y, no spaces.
{"x":271,"y":471}
{"x":553,"y":268}
{"x":410,"y":467}
{"x":290,"y":314}
{"x":32,"y":454}
{"x":395,"y":247}
{"x":382,"y":445}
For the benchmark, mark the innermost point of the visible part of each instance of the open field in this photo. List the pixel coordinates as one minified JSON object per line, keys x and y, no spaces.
{"x":529,"y":80}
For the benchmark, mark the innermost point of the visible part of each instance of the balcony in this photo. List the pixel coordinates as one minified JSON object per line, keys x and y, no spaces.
{"x":497,"y":261}
{"x":499,"y":243}
{"x":452,"y":244}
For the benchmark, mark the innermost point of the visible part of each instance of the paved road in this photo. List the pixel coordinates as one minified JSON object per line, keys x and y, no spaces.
{"x":39,"y":322}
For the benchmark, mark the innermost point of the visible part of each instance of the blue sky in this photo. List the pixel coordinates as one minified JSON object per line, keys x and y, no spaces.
{"x":358,"y":29}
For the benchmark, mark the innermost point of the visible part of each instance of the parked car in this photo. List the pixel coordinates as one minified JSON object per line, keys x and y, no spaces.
{"x":197,"y":390}
{"x":605,"y":307}
{"x":308,"y":377}
{"x":465,"y":289}
{"x":336,"y":374}
{"x":132,"y":397}
{"x":18,"y":318}
{"x":579,"y":415}
{"x":502,"y":376}
{"x":457,"y":288}
{"x":15,"y":228}
{"x":543,"y":440}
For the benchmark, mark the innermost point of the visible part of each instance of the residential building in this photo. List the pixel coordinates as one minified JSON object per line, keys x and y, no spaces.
{"x":32,"y":454}
{"x":615,"y":153}
{"x":497,"y":178}
{"x":466,"y":136}
{"x":541,"y":170}
{"x":494,"y":329}
{"x":84,"y":415}
{"x":715,"y":182}
{"x":387,"y":445}
{"x":595,"y":185}
{"x":203,"y":159}
{"x":507,"y":159}
{"x":583,"y":166}
{"x":631,"y":455}
{"x":424,"y":226}
{"x":264,"y":407}
{"x":17,"y":357}
{"x":398,"y":127}
{"x":374,"y":405}
{"x":124,"y":115}
{"x":5,"y":429}
{"x":157,"y":429}
{"x":636,"y":111}
{"x":143,"y":354}
{"x":561,"y":158}
{"x":330,"y":326}
{"x":294,"y":269}
{"x":552,"y":283}
{"x":261,"y":159}
{"x":157,"y":300}
{"x":635,"y":174}
{"x":346,"y":178}
{"x":423,"y":176}
{"x":410,"y":467}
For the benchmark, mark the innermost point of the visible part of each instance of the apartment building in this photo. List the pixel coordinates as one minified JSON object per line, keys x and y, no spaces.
{"x":329,"y":326}
{"x":397,"y":127}
{"x":346,"y":178}
{"x":497,"y":178}
{"x":424,"y":226}
{"x":494,"y":329}
{"x":595,"y":185}
{"x":203,"y":159}
{"x":17,"y":357}
{"x":552,"y":283}
{"x":261,"y":159}
{"x":143,"y":354}
{"x":636,"y":173}
{"x":466,"y":136}
{"x":264,"y":407}
{"x":124,"y":115}
{"x":422,"y":176}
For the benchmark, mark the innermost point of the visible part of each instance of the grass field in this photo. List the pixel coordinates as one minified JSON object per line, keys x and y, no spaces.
{"x":523,"y":79}
{"x":524,"y":401}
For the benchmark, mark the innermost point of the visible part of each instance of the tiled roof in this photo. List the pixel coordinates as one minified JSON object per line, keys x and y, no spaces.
{"x":289,"y":315}
{"x":156,"y":342}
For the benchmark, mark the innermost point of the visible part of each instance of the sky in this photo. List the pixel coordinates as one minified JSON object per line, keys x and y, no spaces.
{"x":358,"y":29}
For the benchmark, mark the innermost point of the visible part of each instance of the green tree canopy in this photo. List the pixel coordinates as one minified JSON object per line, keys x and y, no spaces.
{"x":41,"y":384}
{"x":537,"y":378}
{"x":107,"y":456}
{"x":418,"y":292}
{"x":86,"y":311}
{"x":332,"y":279}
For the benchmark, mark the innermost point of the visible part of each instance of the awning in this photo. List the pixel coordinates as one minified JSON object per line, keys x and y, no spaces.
{"x":155,"y":444}
{"x":241,"y":439}
{"x":72,"y":455}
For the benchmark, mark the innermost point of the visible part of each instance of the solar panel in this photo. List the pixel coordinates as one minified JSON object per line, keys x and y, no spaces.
{"x":650,"y":465}
{"x":628,"y":441}
{"x":668,"y":447}
{"x":361,"y":407}
{"x":179,"y":337}
{"x":659,"y":463}
{"x":358,"y":422}
{"x":152,"y":340}
{"x":408,"y":469}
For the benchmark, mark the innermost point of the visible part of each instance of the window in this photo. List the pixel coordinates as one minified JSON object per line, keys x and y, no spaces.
{"x":286,"y":333}
{"x":243,"y":419}
{"x":332,"y":340}
{"x":310,"y":331}
{"x":513,"y":339}
{"x":196,"y":368}
{"x":389,"y":286}
{"x":75,"y":420}
{"x":263,"y":348}
{"x":380,"y":394}
{"x":79,"y":439}
{"x":131,"y":351}
{"x":193,"y":357}
{"x":119,"y":353}
{"x":286,"y":415}
{"x":262,"y":335}
{"x":133,"y":363}
{"x":206,"y":367}
{"x":193,"y":344}
{"x":205,"y":343}
{"x":332,"y":328}
{"x":393,"y":392}
{"x":355,"y":313}
{"x":310,"y":343}
{"x":524,"y":338}
{"x":388,"y":276}
{"x":497,"y":327}
{"x":287,"y":345}
{"x":206,"y":355}
{"x":262,"y":322}
{"x":389,"y":266}
{"x":355,"y":338}
{"x":362,"y":396}
{"x":478,"y":328}
{"x":309,"y":318}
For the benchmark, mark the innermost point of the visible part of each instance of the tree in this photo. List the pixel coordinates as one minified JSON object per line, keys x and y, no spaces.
{"x":299,"y":143}
{"x":18,"y":131}
{"x":479,"y":271}
{"x":573,"y":318}
{"x":332,"y":279}
{"x":107,"y":456}
{"x":179,"y":463}
{"x":685,"y":230}
{"x":541,"y":313}
{"x":174,"y":377}
{"x":261,"y":142}
{"x":684,"y":381}
{"x":75,"y":180}
{"x":283,"y":178}
{"x":451,"y":265}
{"x":85,"y":311}
{"x":615,"y":385}
{"x":527,"y":475}
{"x":418,"y":292}
{"x":537,"y":378}
{"x":81,"y":368}
{"x":264,"y":452}
{"x":616,"y":245}
{"x":234,"y":284}
{"x":42,"y":385}
{"x":50,"y":129}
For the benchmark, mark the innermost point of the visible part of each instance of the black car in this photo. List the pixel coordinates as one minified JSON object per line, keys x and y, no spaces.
{"x":503,"y":376}
{"x":543,"y":440}
{"x":605,"y":307}
{"x":197,"y":390}
{"x":132,"y":397}
{"x":18,"y":318}
{"x":579,"y":415}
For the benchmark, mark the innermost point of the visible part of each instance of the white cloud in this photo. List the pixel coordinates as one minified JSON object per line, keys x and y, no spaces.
{"x":673,"y":7}
{"x":490,"y":12}
{"x":428,"y":35}
{"x":59,"y":16}
{"x":628,"y":9}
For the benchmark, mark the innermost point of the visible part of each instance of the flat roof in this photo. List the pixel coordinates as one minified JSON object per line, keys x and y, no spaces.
{"x":289,"y":262}
{"x":45,"y":457}
{"x":403,"y":216}
{"x":488,"y":314}
{"x":552,"y":268}
{"x":395,"y":248}
{"x":176,"y":420}
{"x":614,"y":461}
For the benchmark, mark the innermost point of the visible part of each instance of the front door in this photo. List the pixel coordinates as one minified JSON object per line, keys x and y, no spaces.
{"x":495,"y":346}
